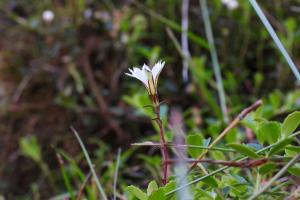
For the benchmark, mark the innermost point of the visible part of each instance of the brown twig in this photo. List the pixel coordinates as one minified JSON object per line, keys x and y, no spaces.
{"x":233,"y":124}
{"x":102,"y":106}
{"x":21,"y":87}
{"x":241,"y":164}
{"x":80,"y":192}
{"x":180,"y":146}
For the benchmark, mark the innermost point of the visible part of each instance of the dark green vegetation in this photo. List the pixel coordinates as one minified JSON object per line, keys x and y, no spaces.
{"x":69,"y":71}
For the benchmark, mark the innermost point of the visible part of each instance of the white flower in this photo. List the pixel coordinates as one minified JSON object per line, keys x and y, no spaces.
{"x":147,"y":76}
{"x":231,"y":4}
{"x":48,"y":16}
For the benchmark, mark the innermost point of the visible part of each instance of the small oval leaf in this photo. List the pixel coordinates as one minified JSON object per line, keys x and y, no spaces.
{"x":267,"y":168}
{"x":294,"y":171}
{"x":211,"y":181}
{"x":268,"y":132}
{"x":194,"y":139}
{"x":137,"y":192}
{"x":280,"y":146}
{"x":158,"y":195}
{"x":290,"y":123}
{"x":243,"y":149}
{"x":293,"y":148}
{"x":152,"y":186}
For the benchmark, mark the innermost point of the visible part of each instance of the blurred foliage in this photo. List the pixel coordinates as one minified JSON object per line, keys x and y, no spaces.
{"x":67,"y":68}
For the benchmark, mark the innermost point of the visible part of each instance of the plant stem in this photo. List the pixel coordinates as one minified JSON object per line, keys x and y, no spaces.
{"x":278,"y":175}
{"x":257,"y":183}
{"x":65,"y":176}
{"x":183,"y":146}
{"x":164,"y":145}
{"x":116,"y":173}
{"x":214,"y":58}
{"x":227,"y":167}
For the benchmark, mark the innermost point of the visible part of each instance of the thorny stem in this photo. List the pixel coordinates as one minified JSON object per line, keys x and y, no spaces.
{"x":164,"y":145}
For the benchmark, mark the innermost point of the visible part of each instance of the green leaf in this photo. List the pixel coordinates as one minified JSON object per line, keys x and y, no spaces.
{"x":245,"y":150}
{"x":29,"y":147}
{"x":275,"y":100}
{"x":138,"y":193}
{"x":151,"y":187}
{"x":231,"y":136}
{"x":205,"y":195}
{"x":268,"y":132}
{"x":294,"y":171}
{"x":280,"y":146}
{"x":267,"y":168}
{"x":195,"y":139}
{"x":218,"y":155}
{"x":210,"y":180}
{"x":169,"y":186}
{"x":290,"y":123}
{"x":237,"y":185}
{"x":293,"y":148}
{"x":158,"y":195}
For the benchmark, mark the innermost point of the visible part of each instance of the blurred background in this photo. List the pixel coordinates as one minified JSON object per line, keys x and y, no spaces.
{"x":62,"y":64}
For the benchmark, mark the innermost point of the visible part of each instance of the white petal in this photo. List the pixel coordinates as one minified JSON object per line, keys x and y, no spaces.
{"x":142,"y":76}
{"x":146,"y":67}
{"x":157,"y":69}
{"x":138,"y":74}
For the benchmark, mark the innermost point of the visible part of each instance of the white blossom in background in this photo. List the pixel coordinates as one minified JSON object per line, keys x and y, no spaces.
{"x":88,"y":13}
{"x":149,"y":77}
{"x":230,"y":4}
{"x":48,"y":16}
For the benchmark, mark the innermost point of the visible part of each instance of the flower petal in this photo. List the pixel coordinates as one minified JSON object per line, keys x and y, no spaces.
{"x":146,"y":67}
{"x":156,"y":70}
{"x":139,"y":74}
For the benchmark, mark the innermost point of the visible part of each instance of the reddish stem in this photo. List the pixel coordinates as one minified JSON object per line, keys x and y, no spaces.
{"x":164,"y":145}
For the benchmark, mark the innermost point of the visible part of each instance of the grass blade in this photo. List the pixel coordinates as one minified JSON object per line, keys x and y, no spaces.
{"x":116,"y":173}
{"x":214,"y":58}
{"x":275,"y":38}
{"x":173,"y":25}
{"x":88,"y":159}
{"x":65,"y":176}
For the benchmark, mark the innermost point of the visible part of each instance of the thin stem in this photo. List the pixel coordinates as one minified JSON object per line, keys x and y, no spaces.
{"x":278,"y":175}
{"x":233,"y":124}
{"x":83,"y":185}
{"x":116,"y":173}
{"x":227,"y":167}
{"x":241,"y":164}
{"x":275,"y":38}
{"x":257,"y":181}
{"x":164,"y":149}
{"x":183,"y":146}
{"x":65,"y":176}
{"x":214,"y":58}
